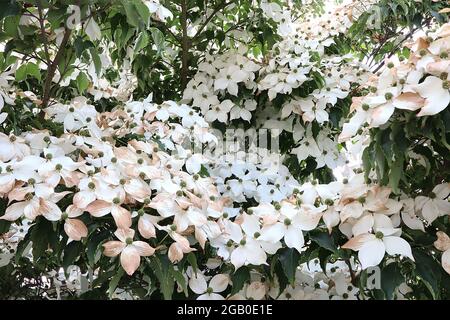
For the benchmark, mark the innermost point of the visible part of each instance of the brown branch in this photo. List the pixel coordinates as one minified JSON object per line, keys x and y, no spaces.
{"x":52,"y":68}
{"x":43,"y":33}
{"x":352,"y":272}
{"x":398,"y":46}
{"x":216,"y":10}
{"x":161,"y":25}
{"x":184,"y":44}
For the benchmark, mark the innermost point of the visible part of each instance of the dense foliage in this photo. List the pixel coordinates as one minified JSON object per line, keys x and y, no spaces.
{"x":248,"y":149}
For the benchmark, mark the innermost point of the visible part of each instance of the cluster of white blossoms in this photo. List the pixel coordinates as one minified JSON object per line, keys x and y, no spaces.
{"x":419,"y":83}
{"x":214,"y":89}
{"x":101,"y":178}
{"x":311,"y":283}
{"x":365,"y":214}
{"x":225,"y":85}
{"x":152,"y":183}
{"x":228,"y":85}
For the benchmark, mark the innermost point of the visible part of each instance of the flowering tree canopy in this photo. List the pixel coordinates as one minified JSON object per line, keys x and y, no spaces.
{"x":248,"y":149}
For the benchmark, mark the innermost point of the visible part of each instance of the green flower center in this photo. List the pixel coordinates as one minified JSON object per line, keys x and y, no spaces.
{"x":379,"y":235}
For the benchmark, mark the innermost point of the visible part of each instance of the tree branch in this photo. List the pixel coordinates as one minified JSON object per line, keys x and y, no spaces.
{"x":203,"y":26}
{"x":52,"y":68}
{"x":352,"y":272}
{"x":43,"y":33}
{"x":184,"y":44}
{"x":407,"y":36}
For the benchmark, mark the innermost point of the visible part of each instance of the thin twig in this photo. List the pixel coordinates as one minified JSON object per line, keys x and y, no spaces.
{"x":215,"y":11}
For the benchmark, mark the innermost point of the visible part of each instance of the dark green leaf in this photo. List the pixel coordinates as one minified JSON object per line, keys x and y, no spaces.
{"x":9,"y":8}
{"x":239,"y":278}
{"x":324,"y":240}
{"x":71,"y":252}
{"x":391,"y":278}
{"x":289,"y":259}
{"x":115,"y":281}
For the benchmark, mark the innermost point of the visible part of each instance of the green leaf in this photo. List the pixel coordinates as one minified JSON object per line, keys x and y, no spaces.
{"x":41,"y":235}
{"x":115,"y":281}
{"x":428,"y":270}
{"x":367,"y":162}
{"x":23,"y":245}
{"x":4,"y":224}
{"x":9,"y":8}
{"x":133,"y":17}
{"x":391,"y":278}
{"x":29,"y":69}
{"x":380,"y":161}
{"x":81,"y":45}
{"x":203,"y":172}
{"x":82,"y":82}
{"x":289,"y":259}
{"x":192,"y":259}
{"x":160,"y":266}
{"x":93,"y":244}
{"x":324,"y":240}
{"x":21,"y":73}
{"x":71,"y":252}
{"x":180,"y":279}
{"x":239,"y":278}
{"x":11,"y":26}
{"x":395,"y":173}
{"x":158,"y":39}
{"x":96,"y":59}
{"x":401,"y":143}
{"x":143,"y":11}
{"x":324,"y":257}
{"x":141,"y":42}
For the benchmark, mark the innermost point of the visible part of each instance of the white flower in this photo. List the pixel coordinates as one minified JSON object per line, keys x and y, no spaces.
{"x":409,"y":216}
{"x":210,"y":291}
{"x":249,"y":251}
{"x":92,"y":29}
{"x":308,"y":147}
{"x":161,"y":12}
{"x":437,"y":97}
{"x":228,"y":78}
{"x":372,"y":247}
{"x":267,"y":193}
{"x":435,"y":204}
{"x":291,"y":224}
{"x":219,"y":112}
{"x":314,"y":111}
